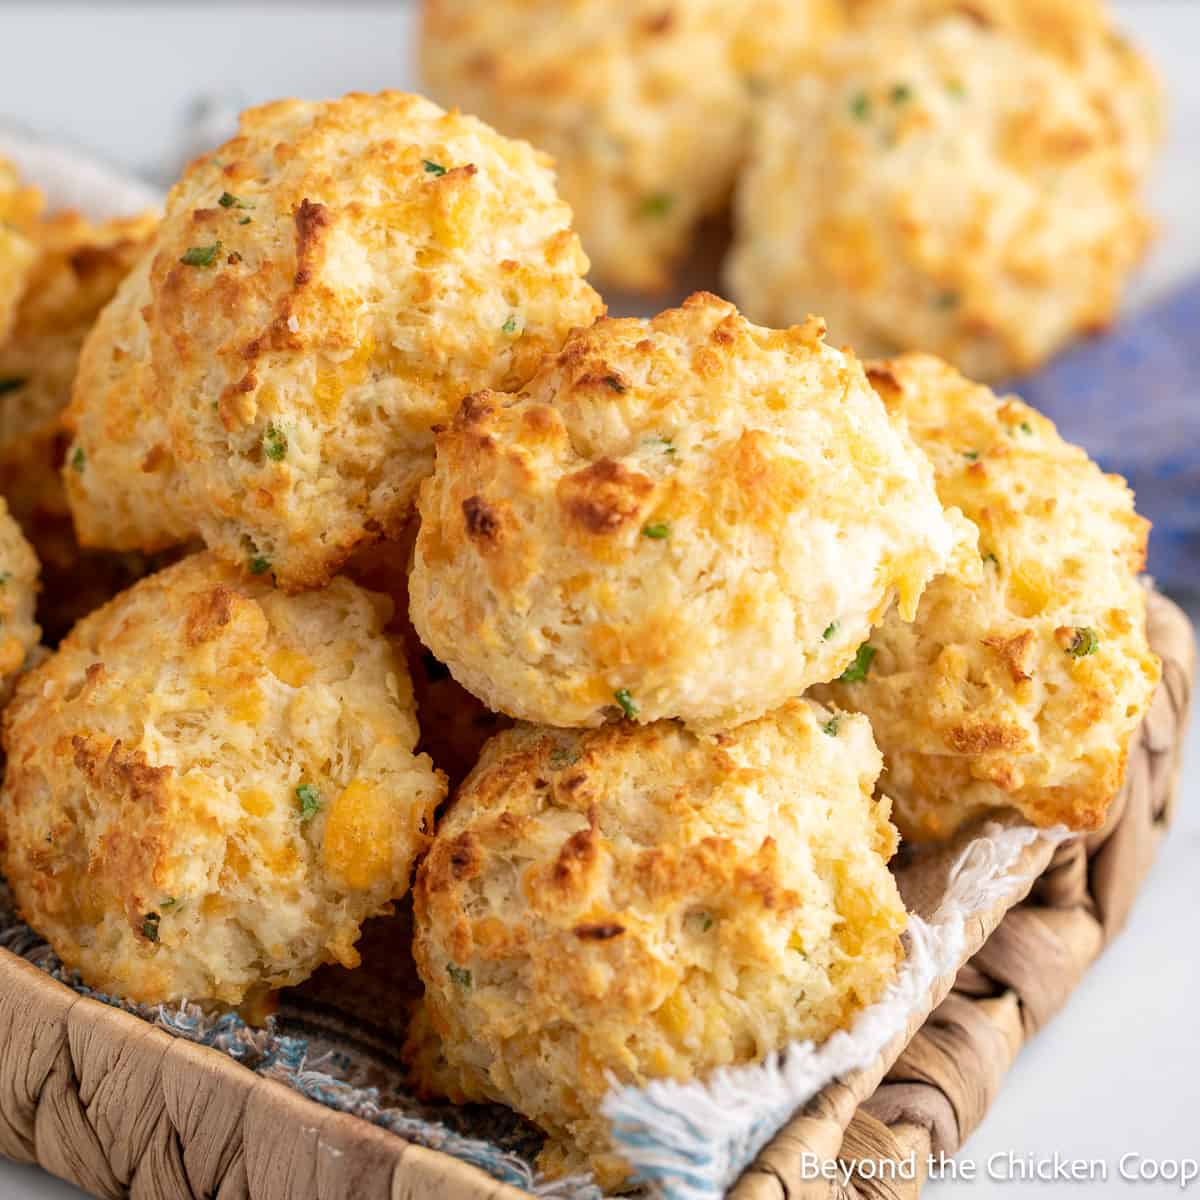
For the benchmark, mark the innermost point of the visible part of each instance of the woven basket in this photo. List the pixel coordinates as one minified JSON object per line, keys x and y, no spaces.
{"x":120,"y":1108}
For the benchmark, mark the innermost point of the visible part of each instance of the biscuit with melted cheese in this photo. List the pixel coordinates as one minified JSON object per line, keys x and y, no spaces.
{"x":685,"y":517}
{"x":324,"y":289}
{"x":211,"y":785}
{"x":639,"y":902}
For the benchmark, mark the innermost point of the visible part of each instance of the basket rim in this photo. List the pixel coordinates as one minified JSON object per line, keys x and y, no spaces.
{"x":69,"y":1021}
{"x":222,"y":1118}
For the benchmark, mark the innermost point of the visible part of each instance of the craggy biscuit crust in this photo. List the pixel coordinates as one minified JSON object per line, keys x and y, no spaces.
{"x":688,"y":517}
{"x":324,"y":288}
{"x":1121,"y":83}
{"x":212,"y":784}
{"x":1023,"y":689}
{"x":639,"y":902}
{"x":948,"y":187}
{"x":19,"y":632}
{"x":644,"y":105}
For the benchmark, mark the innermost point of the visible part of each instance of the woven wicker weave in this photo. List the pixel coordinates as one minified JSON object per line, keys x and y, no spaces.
{"x":101,"y":1098}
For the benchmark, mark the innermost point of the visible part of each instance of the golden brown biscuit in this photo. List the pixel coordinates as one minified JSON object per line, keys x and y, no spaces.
{"x":76,"y":270}
{"x":644,"y":105}
{"x":324,"y":288}
{"x":19,"y":633}
{"x":637,"y":903}
{"x":1023,"y":689}
{"x":948,"y":187}
{"x":686,"y":517}
{"x":211,"y":785}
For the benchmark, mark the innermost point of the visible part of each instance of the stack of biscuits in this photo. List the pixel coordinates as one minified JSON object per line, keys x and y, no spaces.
{"x":958,"y":176}
{"x":630,"y":647}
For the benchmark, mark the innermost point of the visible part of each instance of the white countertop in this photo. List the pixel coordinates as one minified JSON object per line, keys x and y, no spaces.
{"x":1119,"y":1071}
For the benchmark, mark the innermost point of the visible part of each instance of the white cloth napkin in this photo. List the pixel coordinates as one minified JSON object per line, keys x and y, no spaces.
{"x":72,"y":178}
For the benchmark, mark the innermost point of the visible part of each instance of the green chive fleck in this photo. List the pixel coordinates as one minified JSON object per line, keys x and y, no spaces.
{"x":310,"y":801}
{"x":1025,"y":427}
{"x":830,"y":727}
{"x":627,"y":703}
{"x":510,"y":326}
{"x":1084,"y":642}
{"x":432,"y":168}
{"x":201,"y":256}
{"x":971,"y":455}
{"x":956,"y":88}
{"x":150,"y":927}
{"x":79,"y":459}
{"x":5,"y":576}
{"x":830,"y":630}
{"x":229,"y":200}
{"x":658,"y":204}
{"x":243,"y":220}
{"x":901,"y":93}
{"x":561,"y":757}
{"x":275,"y":443}
{"x":706,"y":921}
{"x":615,"y":383}
{"x":259,"y":565}
{"x":944,"y":301}
{"x":10,"y":383}
{"x":860,"y":106}
{"x":658,"y":531}
{"x":169,"y":902}
{"x":856,"y":672}
{"x":459,"y":975}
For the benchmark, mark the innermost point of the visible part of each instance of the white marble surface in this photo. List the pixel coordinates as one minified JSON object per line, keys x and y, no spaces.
{"x":1119,"y":1071}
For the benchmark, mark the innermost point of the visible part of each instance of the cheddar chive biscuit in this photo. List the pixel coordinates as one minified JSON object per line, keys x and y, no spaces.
{"x":950,"y":186}
{"x":1022,"y":689}
{"x":685,"y":517}
{"x":638,"y":902}
{"x":323,"y":290}
{"x":211,"y":785}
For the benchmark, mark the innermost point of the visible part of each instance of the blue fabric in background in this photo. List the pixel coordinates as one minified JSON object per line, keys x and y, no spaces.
{"x":1132,"y":400}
